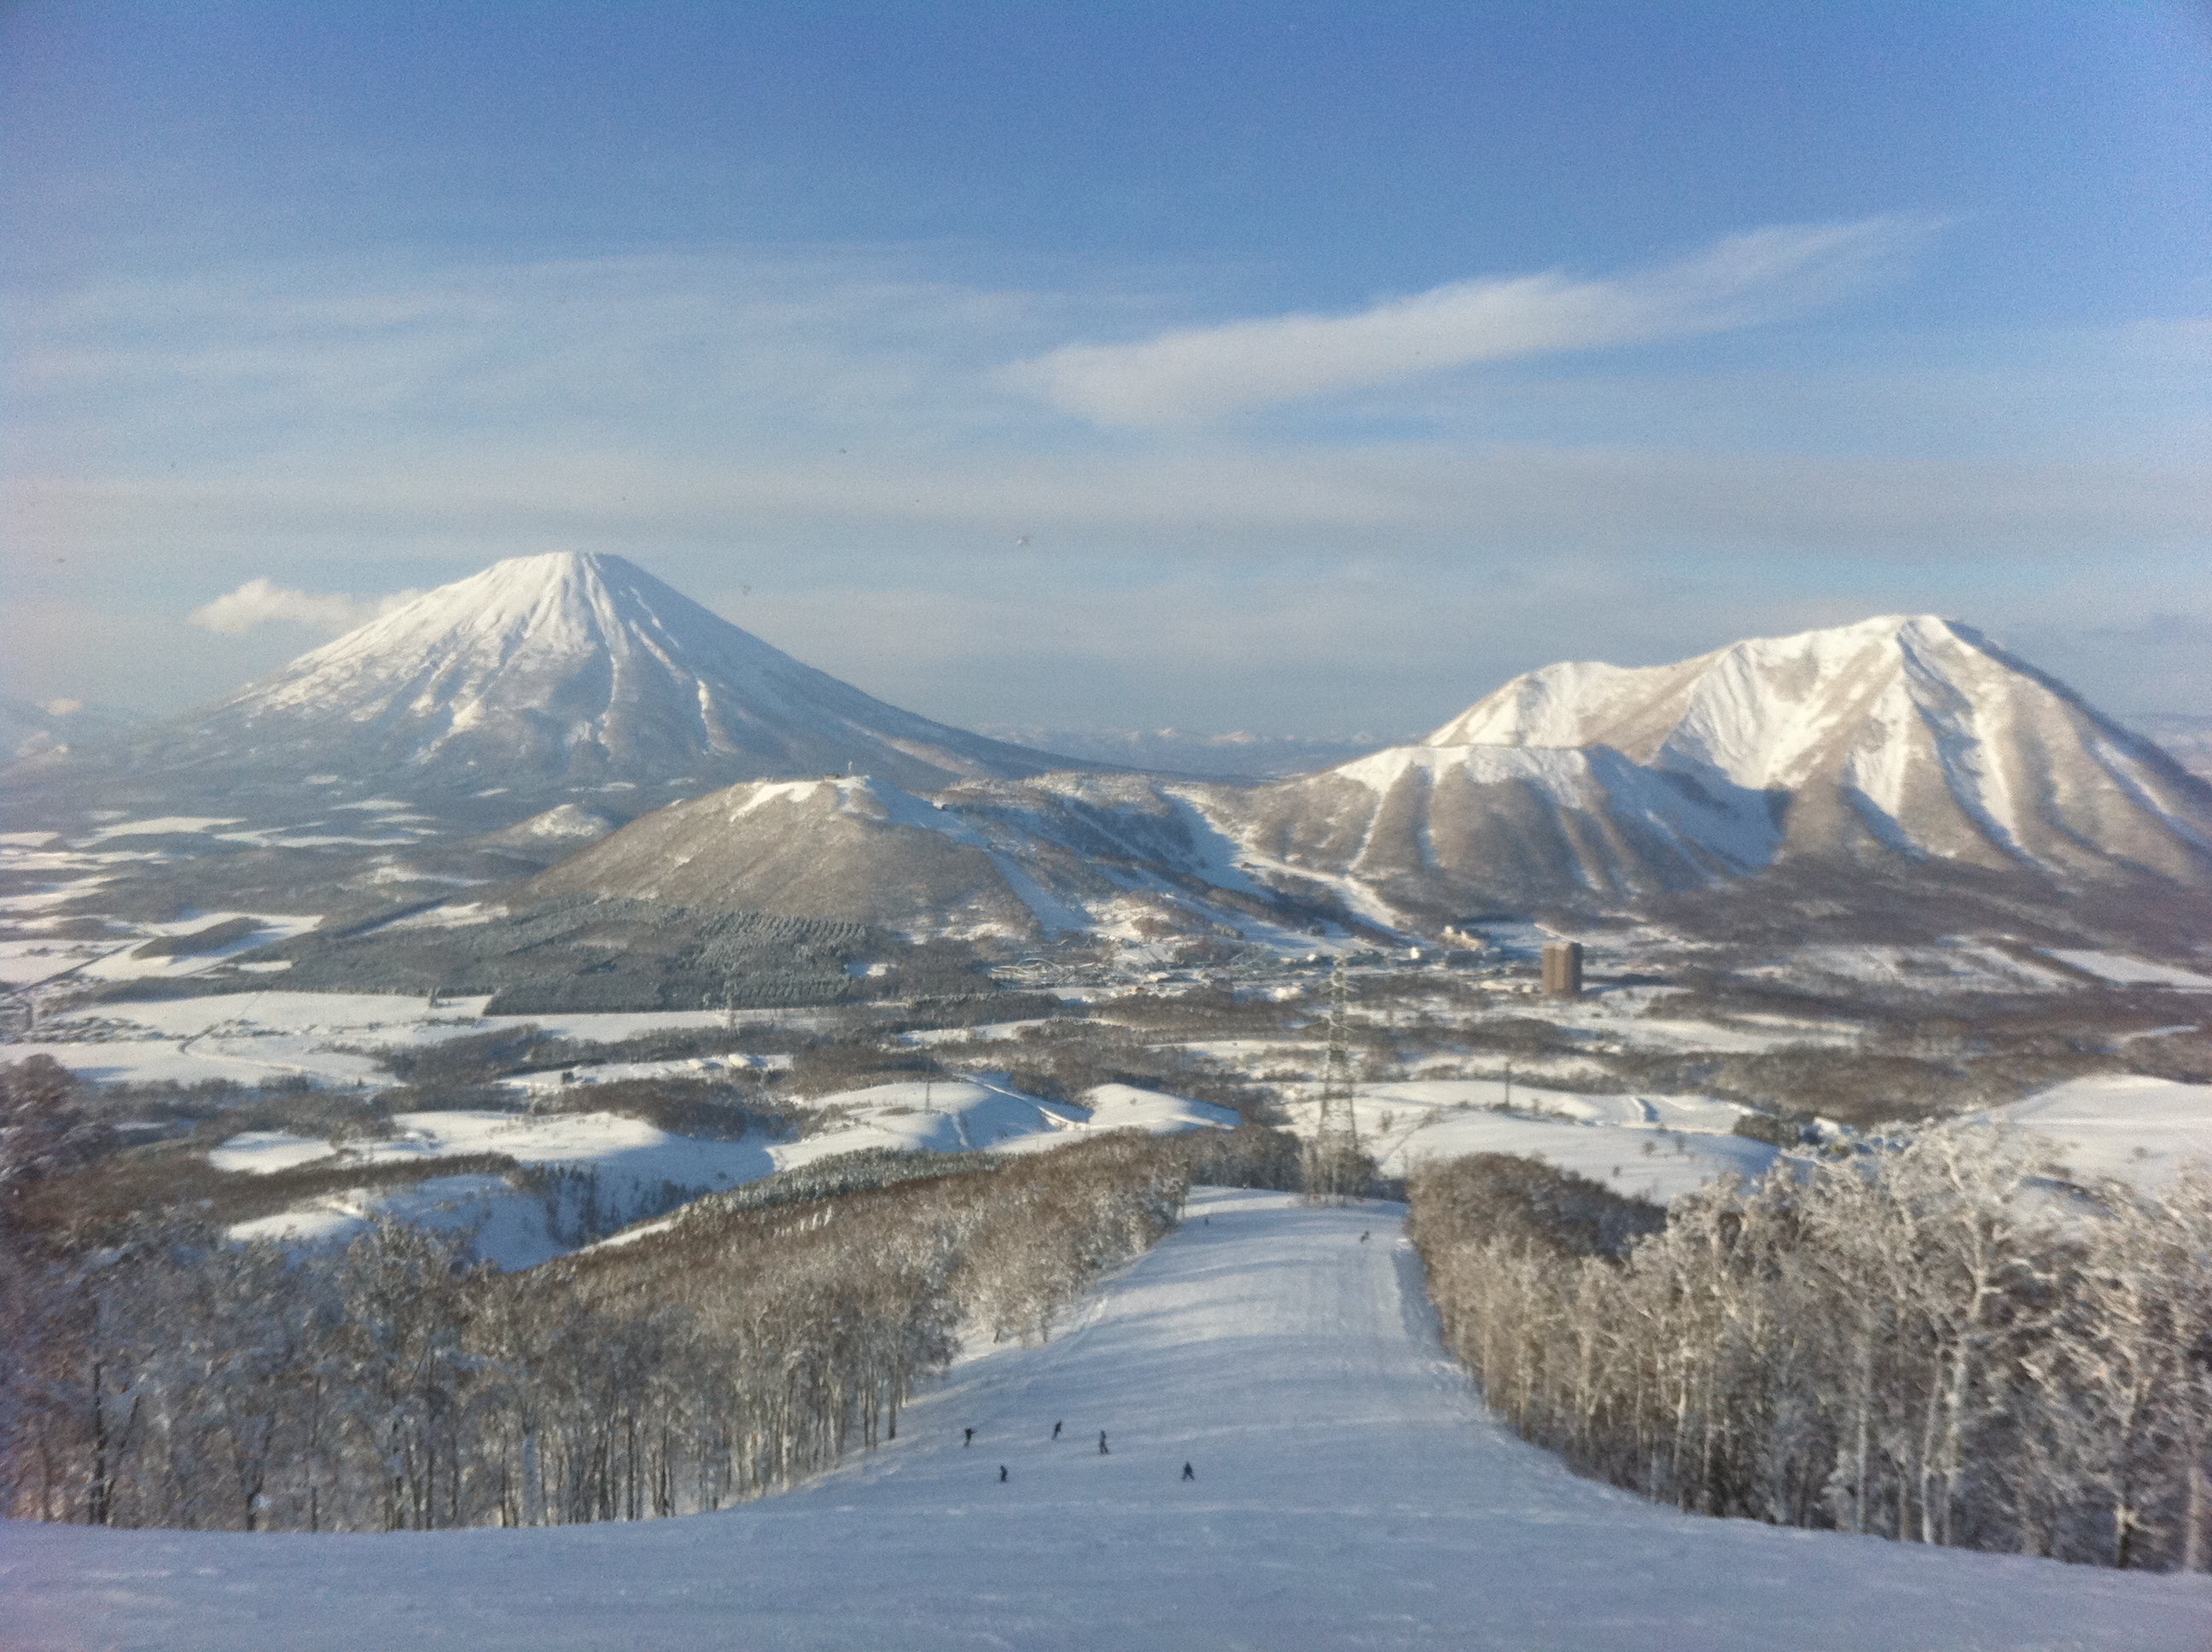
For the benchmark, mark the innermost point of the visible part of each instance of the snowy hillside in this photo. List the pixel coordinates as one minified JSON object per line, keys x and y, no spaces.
{"x":1347,"y":1491}
{"x":637,"y":1170}
{"x":1909,"y":747}
{"x":1908,"y":743}
{"x":1068,"y":853}
{"x":1916,"y":735}
{"x":560,"y":671}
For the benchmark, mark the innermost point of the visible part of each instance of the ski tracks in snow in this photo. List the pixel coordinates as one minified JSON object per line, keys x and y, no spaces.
{"x":1349,"y":1493}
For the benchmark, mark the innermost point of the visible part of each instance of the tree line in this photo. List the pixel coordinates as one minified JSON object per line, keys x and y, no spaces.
{"x":1944,"y":1343}
{"x":170,"y":1382}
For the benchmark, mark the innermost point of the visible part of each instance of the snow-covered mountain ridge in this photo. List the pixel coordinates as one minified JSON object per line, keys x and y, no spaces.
{"x":552,"y":674}
{"x":1011,"y":859}
{"x":577,"y":691}
{"x":1899,"y":743}
{"x":1901,"y":748}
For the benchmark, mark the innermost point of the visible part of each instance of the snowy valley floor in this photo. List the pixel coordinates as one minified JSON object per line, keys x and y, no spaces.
{"x":1349,"y":1493}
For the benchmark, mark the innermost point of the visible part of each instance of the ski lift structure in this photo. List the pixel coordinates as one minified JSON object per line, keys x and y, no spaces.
{"x":1336,"y":1171}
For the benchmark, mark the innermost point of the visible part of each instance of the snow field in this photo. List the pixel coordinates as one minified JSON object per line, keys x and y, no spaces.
{"x":628,"y":1148}
{"x":112,"y":957}
{"x":954,"y":1115}
{"x":634,"y":1160}
{"x":2133,"y":972}
{"x":503,"y":1227}
{"x":2136,"y":1128}
{"x":1652,"y":1147}
{"x":1349,"y":1492}
{"x":251,"y":1037}
{"x":733,"y":1066}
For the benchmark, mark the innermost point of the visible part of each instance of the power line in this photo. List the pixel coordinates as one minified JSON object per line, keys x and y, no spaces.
{"x":1335,"y":1169}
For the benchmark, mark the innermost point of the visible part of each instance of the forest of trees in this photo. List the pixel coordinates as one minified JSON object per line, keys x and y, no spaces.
{"x":1940,"y":1344}
{"x":176,"y":1382}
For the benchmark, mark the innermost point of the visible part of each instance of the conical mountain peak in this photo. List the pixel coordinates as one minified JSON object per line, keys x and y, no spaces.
{"x":556,"y":673}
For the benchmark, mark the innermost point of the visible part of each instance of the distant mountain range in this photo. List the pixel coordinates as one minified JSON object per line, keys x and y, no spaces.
{"x":1909,"y":752}
{"x":1908,"y":755}
{"x":39,"y":728}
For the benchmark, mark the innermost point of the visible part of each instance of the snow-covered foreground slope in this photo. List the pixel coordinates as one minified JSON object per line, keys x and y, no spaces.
{"x":2127,"y":1124}
{"x":1349,"y":1492}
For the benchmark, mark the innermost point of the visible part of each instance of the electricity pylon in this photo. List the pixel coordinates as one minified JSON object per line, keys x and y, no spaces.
{"x":1335,"y":1169}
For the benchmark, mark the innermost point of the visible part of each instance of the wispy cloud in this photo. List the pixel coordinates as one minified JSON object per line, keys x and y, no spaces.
{"x":262,"y":602}
{"x":1201,"y":373}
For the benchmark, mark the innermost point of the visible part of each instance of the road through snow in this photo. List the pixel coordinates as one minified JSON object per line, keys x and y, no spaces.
{"x":1349,"y":1493}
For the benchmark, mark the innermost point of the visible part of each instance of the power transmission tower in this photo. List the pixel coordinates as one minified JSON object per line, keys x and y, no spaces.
{"x":1335,"y":1169}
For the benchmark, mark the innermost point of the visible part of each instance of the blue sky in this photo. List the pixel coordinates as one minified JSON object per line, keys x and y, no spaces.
{"x":1302,"y":369}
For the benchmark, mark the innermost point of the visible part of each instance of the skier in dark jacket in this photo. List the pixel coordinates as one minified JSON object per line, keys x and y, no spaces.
{"x":1101,"y":1444}
{"x":967,"y":1437}
{"x":1002,"y":1474}
{"x":1055,"y":1431}
{"x":1188,"y":1472}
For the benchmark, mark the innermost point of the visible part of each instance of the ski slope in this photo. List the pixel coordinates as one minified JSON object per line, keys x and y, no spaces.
{"x":1349,"y":1493}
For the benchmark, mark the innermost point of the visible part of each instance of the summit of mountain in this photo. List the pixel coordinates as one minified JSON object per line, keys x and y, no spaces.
{"x":545,"y":677}
{"x":1902,"y":747}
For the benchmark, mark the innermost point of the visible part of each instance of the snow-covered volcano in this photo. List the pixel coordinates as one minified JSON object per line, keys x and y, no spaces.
{"x":1896,"y":743}
{"x":558,"y":672}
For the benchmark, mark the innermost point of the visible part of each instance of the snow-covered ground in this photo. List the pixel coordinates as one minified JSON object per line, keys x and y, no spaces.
{"x":953,"y":1115}
{"x":628,"y":1148}
{"x":117,"y":956}
{"x":1349,"y":1492}
{"x":733,"y":1066}
{"x":251,"y":1037}
{"x":2122,"y":971}
{"x":1961,"y":964}
{"x":503,"y":1226}
{"x":2123,"y":1125}
{"x":634,"y":1161}
{"x":1125,"y":1106}
{"x":1654,"y":1147}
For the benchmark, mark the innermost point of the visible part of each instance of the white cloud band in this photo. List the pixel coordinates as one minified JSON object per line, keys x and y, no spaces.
{"x":262,"y":602}
{"x":1202,"y":372}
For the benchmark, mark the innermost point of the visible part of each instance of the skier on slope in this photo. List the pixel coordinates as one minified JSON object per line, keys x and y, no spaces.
{"x":1055,"y":1431}
{"x":1002,"y":1474}
{"x":967,"y":1437}
{"x":1188,"y":1472}
{"x":1101,"y":1444}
